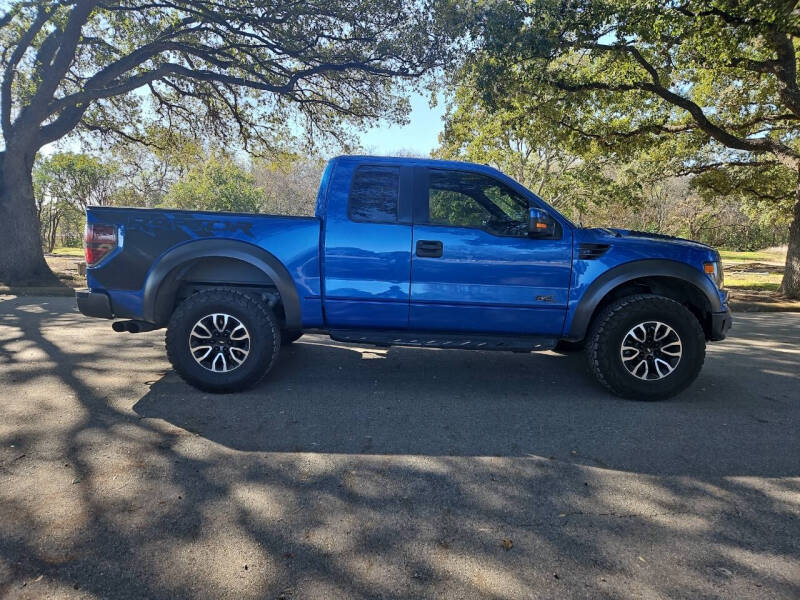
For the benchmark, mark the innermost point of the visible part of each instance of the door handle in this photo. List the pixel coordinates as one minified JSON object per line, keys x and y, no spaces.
{"x":429,"y":248}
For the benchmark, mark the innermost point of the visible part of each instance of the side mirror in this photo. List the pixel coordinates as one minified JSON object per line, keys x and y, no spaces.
{"x":541,"y":225}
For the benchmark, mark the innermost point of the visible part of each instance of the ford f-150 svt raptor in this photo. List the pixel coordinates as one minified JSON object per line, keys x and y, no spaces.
{"x":407,"y":252}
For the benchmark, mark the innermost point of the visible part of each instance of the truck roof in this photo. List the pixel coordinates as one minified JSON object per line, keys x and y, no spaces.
{"x":420,"y":162}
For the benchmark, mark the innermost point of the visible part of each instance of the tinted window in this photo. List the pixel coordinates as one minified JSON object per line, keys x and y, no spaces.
{"x":373,"y":194}
{"x":462,"y":199}
{"x":449,"y":207}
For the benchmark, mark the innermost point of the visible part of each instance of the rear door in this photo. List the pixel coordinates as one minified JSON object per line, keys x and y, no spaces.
{"x":474,"y":268}
{"x":367,"y":246}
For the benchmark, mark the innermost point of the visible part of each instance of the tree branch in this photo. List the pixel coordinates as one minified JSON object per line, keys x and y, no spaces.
{"x":786,"y":154}
{"x":53,"y":74}
{"x":24,"y":42}
{"x":698,"y":169}
{"x":786,"y":72}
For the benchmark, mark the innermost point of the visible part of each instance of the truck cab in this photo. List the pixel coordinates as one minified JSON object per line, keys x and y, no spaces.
{"x":407,"y":252}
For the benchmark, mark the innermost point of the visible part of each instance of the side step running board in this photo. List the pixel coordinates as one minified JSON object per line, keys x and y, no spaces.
{"x":457,"y":341}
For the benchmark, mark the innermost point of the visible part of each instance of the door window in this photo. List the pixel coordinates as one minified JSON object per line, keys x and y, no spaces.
{"x":462,"y":199}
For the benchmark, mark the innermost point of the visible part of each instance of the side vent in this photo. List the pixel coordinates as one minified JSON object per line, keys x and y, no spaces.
{"x":592,"y":251}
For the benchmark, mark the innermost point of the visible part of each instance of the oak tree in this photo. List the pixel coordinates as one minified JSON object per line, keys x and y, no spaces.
{"x":230,"y":67}
{"x":716,"y":79}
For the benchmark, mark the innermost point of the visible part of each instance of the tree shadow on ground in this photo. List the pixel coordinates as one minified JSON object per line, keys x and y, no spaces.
{"x":357,"y":473}
{"x":330,"y":398}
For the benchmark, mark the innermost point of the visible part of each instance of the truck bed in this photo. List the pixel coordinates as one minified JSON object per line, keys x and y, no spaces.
{"x":148,"y":235}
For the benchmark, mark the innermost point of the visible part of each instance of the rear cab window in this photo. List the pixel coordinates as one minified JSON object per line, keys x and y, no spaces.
{"x":374,"y":194}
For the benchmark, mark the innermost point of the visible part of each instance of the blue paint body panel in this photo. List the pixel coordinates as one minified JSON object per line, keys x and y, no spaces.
{"x":489,"y":283}
{"x":367,"y":265}
{"x":360,"y":275}
{"x":628,"y":247}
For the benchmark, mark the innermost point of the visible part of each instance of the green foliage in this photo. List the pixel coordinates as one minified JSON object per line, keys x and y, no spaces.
{"x":766,"y":193}
{"x":77,"y":179}
{"x":146,"y":171}
{"x":65,"y":184}
{"x":218,"y":184}
{"x":549,"y":159}
{"x":687,"y":84}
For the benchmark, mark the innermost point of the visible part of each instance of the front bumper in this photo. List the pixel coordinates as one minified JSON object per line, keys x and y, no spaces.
{"x":94,"y":304}
{"x":720,"y":324}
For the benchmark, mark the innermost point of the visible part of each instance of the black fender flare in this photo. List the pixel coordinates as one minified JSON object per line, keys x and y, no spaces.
{"x":637,"y":269}
{"x":163,"y":279}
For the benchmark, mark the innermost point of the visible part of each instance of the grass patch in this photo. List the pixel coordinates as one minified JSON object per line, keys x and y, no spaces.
{"x":775,"y":255}
{"x":64,"y":251}
{"x":759,"y":270}
{"x":753,"y":281}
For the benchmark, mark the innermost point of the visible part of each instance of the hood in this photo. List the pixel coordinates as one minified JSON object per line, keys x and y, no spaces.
{"x":631,"y":234}
{"x":627,"y":244}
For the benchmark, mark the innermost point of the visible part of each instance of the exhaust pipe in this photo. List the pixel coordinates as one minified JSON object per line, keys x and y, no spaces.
{"x":132,"y":326}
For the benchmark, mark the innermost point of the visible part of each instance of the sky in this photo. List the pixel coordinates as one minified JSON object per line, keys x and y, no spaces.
{"x":420,"y":136}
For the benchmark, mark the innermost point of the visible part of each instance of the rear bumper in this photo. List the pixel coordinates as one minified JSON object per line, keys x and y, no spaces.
{"x":720,"y":324}
{"x":94,"y":304}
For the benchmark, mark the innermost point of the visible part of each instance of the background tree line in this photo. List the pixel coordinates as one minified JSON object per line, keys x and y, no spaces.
{"x":592,"y":192}
{"x":188,"y":176}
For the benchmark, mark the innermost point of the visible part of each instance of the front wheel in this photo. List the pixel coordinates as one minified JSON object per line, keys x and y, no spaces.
{"x":646,"y":347}
{"x":222,"y":340}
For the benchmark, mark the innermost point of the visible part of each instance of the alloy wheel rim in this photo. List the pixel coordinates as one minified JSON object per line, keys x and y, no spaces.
{"x":651,"y":350}
{"x":219,"y":342}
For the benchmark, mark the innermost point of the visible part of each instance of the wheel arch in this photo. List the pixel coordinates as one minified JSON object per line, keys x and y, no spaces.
{"x":207,"y":260}
{"x":672,"y":279}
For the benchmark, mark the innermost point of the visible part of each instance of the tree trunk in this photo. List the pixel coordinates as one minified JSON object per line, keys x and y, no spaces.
{"x":21,"y":258}
{"x":790,"y":286}
{"x":53,"y":233}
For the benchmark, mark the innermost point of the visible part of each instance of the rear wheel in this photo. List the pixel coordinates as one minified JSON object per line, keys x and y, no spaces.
{"x":646,"y":347}
{"x":222,"y":340}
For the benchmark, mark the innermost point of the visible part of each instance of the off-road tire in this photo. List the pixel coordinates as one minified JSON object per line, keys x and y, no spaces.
{"x":262,"y":327}
{"x":612,"y":324}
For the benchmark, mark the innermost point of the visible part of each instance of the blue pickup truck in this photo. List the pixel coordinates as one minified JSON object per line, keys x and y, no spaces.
{"x":408,"y":252}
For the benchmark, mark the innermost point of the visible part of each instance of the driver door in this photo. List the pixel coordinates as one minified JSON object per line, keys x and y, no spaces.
{"x":473,"y":266}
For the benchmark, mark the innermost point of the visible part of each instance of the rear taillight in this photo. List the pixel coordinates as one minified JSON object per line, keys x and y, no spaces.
{"x":99,"y":241}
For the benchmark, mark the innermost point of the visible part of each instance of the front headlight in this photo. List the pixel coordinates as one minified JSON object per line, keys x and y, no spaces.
{"x":714,"y":270}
